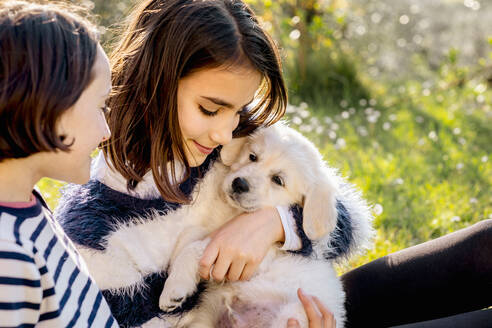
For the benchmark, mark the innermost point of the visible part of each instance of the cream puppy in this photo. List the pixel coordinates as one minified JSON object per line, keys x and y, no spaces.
{"x":275,"y":166}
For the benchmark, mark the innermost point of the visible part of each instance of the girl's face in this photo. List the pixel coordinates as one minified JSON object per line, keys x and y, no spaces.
{"x":84,"y":123}
{"x":209,"y":103}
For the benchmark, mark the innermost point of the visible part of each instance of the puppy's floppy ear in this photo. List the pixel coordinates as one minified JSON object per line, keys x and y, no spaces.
{"x":230,"y":152}
{"x":319,"y":208}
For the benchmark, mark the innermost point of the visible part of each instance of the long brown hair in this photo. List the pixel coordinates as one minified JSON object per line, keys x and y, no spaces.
{"x":46,"y":59}
{"x":165,"y":41}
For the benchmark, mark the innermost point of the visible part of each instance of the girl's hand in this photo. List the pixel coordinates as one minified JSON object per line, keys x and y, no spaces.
{"x":237,"y":248}
{"x":318,"y":315}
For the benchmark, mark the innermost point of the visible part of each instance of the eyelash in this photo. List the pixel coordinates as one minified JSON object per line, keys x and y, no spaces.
{"x":105,"y":109}
{"x":209,"y":113}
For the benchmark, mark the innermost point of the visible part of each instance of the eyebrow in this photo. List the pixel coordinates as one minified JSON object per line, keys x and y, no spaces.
{"x":224,"y":103}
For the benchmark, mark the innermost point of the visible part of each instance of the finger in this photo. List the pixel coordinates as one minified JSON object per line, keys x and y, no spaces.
{"x":293,"y":323}
{"x":327,"y":314}
{"x":313,"y":315}
{"x":236,"y":270}
{"x":248,"y":271}
{"x":221,"y":267}
{"x":208,"y":259}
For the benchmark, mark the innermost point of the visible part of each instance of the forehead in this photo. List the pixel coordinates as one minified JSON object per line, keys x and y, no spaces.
{"x":101,"y":72}
{"x":235,"y":85}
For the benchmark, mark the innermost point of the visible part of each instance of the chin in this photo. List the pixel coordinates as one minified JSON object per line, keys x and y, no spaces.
{"x":197,"y":161}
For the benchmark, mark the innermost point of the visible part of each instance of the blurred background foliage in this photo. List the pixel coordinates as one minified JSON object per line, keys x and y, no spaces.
{"x":396,"y":94}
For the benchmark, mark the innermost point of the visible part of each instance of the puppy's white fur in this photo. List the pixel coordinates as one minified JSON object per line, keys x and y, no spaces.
{"x":175,"y":242}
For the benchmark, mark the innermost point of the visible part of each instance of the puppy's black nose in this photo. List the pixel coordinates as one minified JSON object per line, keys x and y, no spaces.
{"x":240,"y":185}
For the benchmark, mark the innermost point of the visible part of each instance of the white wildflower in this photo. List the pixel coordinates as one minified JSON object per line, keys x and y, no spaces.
{"x":295,"y":34}
{"x":362,"y":131}
{"x":433,"y":135}
{"x":455,"y":219}
{"x":377,"y":209}
{"x":340,"y":143}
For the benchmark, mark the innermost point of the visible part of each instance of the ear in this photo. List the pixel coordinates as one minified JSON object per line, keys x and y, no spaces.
{"x":230,"y":152}
{"x":319,"y":209}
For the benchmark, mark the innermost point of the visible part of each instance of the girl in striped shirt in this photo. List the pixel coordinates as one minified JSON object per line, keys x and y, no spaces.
{"x":54,"y":80}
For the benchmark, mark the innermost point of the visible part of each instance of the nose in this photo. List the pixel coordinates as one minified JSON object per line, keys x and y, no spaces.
{"x":240,"y":185}
{"x":222,"y":134}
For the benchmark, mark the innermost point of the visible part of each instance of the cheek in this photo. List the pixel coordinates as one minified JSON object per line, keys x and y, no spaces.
{"x":190,"y":121}
{"x":192,"y":126}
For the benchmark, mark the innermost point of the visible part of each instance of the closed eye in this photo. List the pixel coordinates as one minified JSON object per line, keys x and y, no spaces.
{"x":278,"y":180}
{"x":207,"y":112}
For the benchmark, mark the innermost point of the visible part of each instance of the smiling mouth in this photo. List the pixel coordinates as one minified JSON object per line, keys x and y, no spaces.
{"x":203,"y":149}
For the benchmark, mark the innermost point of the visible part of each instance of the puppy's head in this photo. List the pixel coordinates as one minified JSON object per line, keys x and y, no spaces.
{"x":279,"y":166}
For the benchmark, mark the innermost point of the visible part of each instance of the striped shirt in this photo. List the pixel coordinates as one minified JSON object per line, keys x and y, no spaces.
{"x":43,"y":280}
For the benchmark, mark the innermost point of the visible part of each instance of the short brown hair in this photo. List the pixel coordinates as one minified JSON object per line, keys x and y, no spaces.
{"x":165,"y":41}
{"x":46,"y":58}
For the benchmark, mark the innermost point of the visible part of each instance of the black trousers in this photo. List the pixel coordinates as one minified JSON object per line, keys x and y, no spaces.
{"x":448,"y":278}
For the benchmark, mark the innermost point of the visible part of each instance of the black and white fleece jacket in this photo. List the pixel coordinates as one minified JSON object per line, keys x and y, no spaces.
{"x":89,"y":213}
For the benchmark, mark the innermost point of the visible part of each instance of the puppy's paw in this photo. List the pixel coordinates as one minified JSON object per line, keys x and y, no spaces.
{"x":173,"y":296}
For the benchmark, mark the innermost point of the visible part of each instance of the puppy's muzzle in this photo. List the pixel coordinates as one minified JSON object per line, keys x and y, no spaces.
{"x":240,"y":185}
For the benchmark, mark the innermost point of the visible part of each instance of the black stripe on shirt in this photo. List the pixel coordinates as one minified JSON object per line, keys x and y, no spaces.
{"x":19,"y":305}
{"x":38,"y":230}
{"x":61,"y":262}
{"x":49,"y":248}
{"x":48,"y":292}
{"x":80,"y":301}
{"x":68,"y":291}
{"x":95,"y":308}
{"x":43,"y":270}
{"x":19,"y":282}
{"x":49,"y":315}
{"x":16,"y":256}
{"x":110,"y":321}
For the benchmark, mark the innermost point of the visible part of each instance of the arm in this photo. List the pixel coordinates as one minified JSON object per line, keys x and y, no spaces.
{"x":20,"y":287}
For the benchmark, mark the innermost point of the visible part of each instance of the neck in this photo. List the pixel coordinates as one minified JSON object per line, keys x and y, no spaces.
{"x":17,"y":179}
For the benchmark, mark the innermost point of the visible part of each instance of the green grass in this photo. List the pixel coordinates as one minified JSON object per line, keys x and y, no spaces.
{"x":422,"y":156}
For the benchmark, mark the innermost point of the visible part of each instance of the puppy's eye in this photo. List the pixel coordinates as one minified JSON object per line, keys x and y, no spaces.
{"x":252,"y":157}
{"x":278,"y":180}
